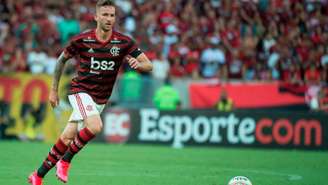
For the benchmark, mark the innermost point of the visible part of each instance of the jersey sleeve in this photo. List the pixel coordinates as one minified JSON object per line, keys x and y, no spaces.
{"x":133,"y":49}
{"x":71,"y":49}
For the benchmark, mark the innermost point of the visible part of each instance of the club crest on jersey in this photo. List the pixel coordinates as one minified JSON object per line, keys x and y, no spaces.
{"x":115,"y":51}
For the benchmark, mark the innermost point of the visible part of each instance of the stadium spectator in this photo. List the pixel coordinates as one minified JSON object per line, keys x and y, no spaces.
{"x":324,"y":57}
{"x":37,"y":61}
{"x":249,"y":42}
{"x":273,"y":62}
{"x":312,"y":75}
{"x":177,"y":70}
{"x":192,"y":63}
{"x":130,"y":80}
{"x":170,"y":38}
{"x":68,"y":26}
{"x":236,"y":67}
{"x":325,"y":74}
{"x":312,"y":97}
{"x":166,"y":97}
{"x":161,"y":67}
{"x":292,"y":75}
{"x":268,"y":43}
{"x":50,"y":61}
{"x":4,"y":31}
{"x":19,"y":61}
{"x":212,"y":58}
{"x":224,"y":104}
{"x":323,"y":100}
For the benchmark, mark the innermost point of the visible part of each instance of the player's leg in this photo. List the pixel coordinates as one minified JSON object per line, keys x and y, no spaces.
{"x":69,"y":132}
{"x":67,"y":137}
{"x":55,"y":154}
{"x":83,"y":109}
{"x":93,"y":126}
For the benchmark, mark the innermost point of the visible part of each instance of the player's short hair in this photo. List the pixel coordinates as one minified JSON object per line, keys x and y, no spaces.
{"x":101,"y":3}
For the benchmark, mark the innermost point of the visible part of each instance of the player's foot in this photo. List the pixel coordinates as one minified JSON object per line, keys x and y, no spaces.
{"x":62,"y":170}
{"x":34,"y":179}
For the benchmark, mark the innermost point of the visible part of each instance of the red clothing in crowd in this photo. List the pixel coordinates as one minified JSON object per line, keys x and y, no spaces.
{"x":312,"y":75}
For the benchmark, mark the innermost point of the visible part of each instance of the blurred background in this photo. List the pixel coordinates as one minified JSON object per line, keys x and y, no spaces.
{"x":234,"y":60}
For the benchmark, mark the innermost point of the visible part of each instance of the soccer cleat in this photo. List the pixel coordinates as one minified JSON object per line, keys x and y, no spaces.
{"x":34,"y":179}
{"x":62,"y":170}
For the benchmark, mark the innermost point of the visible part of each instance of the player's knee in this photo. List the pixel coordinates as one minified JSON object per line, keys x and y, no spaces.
{"x":96,"y":128}
{"x":94,"y":123}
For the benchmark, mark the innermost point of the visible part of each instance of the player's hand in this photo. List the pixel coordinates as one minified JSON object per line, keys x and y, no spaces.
{"x":53,"y":98}
{"x":133,"y":62}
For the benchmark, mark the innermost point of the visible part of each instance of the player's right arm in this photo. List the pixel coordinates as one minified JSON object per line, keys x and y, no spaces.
{"x":53,"y":96}
{"x":69,"y":52}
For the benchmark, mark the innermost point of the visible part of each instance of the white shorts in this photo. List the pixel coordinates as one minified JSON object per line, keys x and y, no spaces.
{"x":83,"y":107}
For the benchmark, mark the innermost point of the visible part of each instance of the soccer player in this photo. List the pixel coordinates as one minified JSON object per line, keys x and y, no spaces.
{"x":100,"y":53}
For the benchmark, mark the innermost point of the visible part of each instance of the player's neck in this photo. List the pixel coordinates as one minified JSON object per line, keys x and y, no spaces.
{"x":102,"y":35}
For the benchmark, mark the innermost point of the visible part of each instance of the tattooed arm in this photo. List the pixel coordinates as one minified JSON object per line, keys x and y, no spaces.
{"x":53,"y":96}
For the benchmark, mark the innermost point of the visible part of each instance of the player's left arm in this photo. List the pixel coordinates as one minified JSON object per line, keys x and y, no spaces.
{"x":141,"y":62}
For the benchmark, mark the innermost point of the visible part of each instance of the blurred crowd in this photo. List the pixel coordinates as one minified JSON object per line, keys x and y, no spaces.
{"x":243,"y":40}
{"x":227,"y":39}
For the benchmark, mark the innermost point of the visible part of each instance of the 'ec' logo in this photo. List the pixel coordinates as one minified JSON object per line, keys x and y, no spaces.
{"x":117,"y":126}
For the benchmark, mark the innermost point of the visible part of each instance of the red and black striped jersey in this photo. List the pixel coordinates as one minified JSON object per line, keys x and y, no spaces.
{"x":98,"y":62}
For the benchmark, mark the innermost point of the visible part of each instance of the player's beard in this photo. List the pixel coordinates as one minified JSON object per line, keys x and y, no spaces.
{"x":106,"y":28}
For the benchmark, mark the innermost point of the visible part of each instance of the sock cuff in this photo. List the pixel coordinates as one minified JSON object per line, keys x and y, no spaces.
{"x":86,"y":134}
{"x":60,"y":145}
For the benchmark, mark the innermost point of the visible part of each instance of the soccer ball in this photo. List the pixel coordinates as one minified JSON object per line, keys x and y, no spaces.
{"x":240,"y":180}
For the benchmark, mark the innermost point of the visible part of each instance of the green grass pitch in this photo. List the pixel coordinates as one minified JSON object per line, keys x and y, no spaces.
{"x":103,"y":164}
